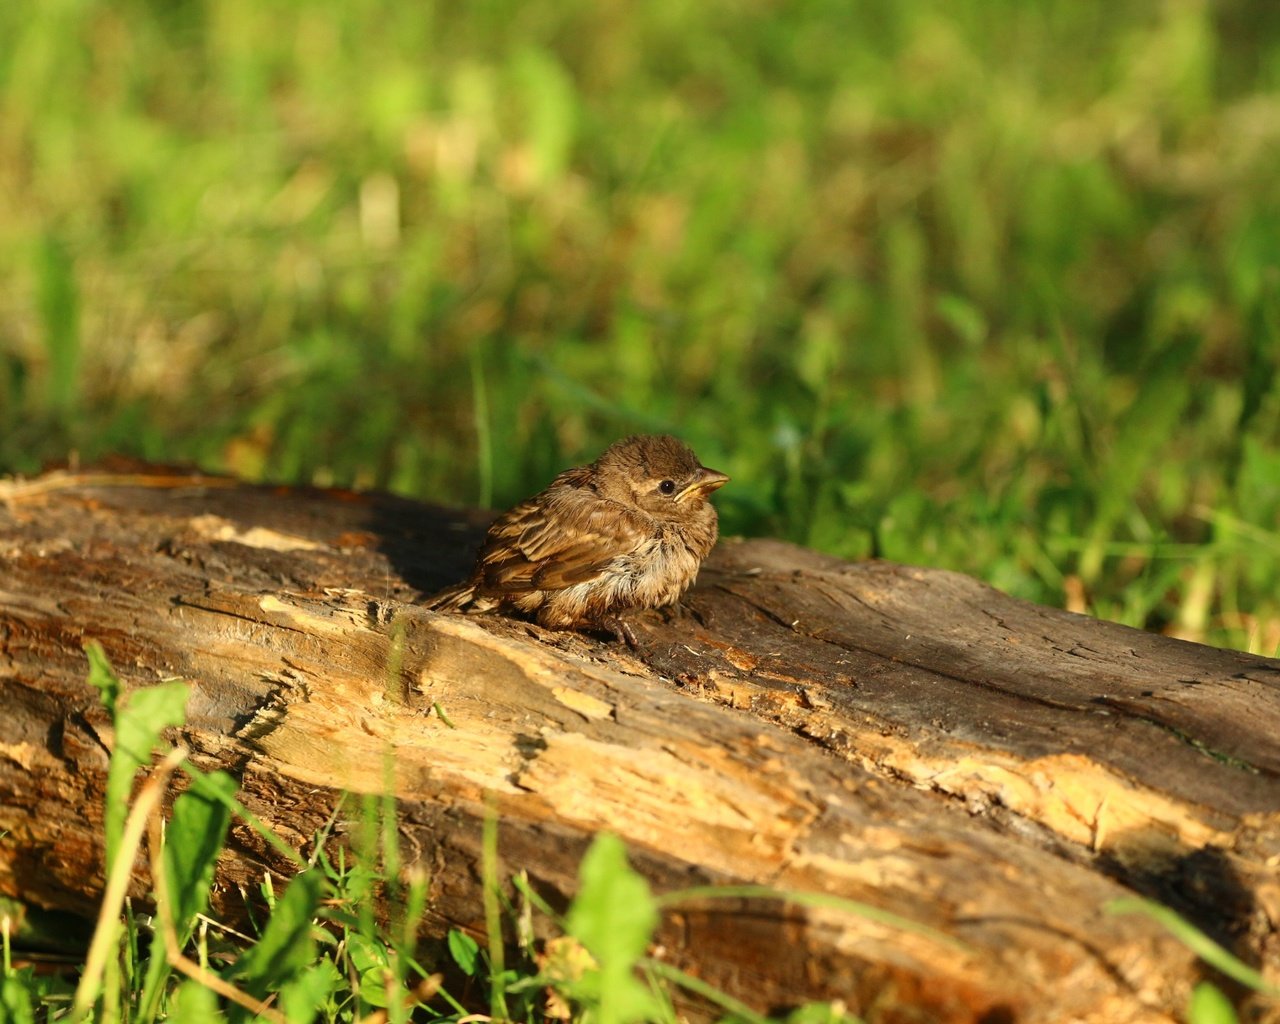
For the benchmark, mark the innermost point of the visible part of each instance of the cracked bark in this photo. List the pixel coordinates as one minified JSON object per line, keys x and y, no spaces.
{"x":903,"y":737}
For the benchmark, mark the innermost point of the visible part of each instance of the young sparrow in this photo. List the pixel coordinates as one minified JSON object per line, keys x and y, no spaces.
{"x":628,"y":531}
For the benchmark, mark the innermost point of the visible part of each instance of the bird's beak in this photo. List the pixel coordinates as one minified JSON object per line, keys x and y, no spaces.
{"x":704,"y":482}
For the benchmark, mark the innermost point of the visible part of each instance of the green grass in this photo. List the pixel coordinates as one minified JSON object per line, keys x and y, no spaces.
{"x":977,"y":284}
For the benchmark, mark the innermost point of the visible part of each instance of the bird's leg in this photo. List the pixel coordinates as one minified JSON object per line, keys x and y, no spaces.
{"x":621,"y":630}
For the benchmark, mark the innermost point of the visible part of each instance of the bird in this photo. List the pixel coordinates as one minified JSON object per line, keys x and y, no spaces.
{"x":626,"y":532}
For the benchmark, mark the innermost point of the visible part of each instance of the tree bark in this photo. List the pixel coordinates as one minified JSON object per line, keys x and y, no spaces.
{"x":907,"y":738}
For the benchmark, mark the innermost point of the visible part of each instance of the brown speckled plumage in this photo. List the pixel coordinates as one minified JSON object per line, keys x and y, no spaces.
{"x":628,"y":531}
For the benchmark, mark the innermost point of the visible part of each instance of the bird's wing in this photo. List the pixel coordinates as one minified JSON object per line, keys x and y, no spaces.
{"x":565,"y":535}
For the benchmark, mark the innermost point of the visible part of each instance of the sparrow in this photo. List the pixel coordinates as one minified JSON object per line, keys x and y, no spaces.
{"x":628,"y":531}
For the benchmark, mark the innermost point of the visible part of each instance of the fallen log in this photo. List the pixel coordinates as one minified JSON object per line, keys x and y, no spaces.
{"x":904,"y":737}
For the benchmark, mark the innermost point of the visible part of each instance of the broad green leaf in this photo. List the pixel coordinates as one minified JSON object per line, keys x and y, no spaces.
{"x":373,"y":987}
{"x":613,"y":916}
{"x":102,"y":676}
{"x":140,"y":717}
{"x":465,"y":951}
{"x":819,"y":1013}
{"x":194,"y":1004}
{"x":1209,"y":1006}
{"x":286,"y":946}
{"x":303,"y":997}
{"x":365,"y":954}
{"x":15,"y":999}
{"x":193,"y":841}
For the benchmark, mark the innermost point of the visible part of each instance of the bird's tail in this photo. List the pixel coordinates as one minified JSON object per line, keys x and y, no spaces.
{"x":453,"y":599}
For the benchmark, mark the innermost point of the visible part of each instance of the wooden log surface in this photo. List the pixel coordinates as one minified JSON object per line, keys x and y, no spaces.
{"x":905,"y":737}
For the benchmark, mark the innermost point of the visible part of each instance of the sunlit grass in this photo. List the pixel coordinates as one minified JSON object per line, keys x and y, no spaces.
{"x":985,"y":286}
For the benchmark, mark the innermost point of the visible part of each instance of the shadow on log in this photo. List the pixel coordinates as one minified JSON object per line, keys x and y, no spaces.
{"x":904,"y":737}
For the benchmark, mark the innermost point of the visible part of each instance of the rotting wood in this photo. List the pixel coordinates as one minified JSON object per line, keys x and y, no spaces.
{"x":904,"y":737}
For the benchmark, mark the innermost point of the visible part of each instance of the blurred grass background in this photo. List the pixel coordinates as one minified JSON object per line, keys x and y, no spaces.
{"x":981,"y":284}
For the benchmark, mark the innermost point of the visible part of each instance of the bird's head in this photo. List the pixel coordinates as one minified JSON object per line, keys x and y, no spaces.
{"x":657,"y":473}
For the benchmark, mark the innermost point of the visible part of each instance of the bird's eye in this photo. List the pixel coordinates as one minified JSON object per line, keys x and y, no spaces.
{"x":667,"y":487}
